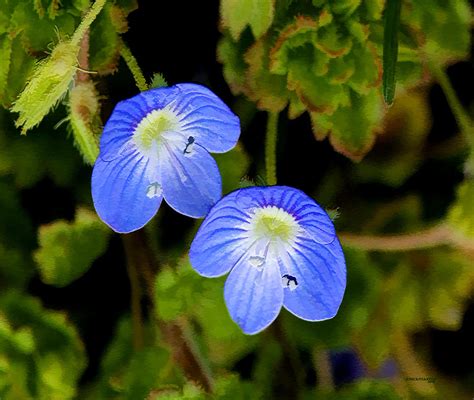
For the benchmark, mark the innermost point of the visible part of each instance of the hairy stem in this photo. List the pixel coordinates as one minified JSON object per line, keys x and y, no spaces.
{"x":87,"y":21}
{"x":270,"y":148}
{"x":134,"y":68}
{"x":439,"y":235}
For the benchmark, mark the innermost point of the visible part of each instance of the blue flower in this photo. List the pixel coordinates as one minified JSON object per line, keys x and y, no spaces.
{"x":156,"y":145}
{"x":281,"y":250}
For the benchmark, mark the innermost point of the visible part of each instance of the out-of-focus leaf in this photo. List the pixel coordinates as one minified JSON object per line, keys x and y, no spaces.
{"x":360,"y":299}
{"x":127,"y":374}
{"x":449,"y":283}
{"x":233,"y":166}
{"x":268,"y":90}
{"x":14,"y":78}
{"x":48,"y":358}
{"x":16,"y":240}
{"x":444,"y":26}
{"x":237,"y":14}
{"x":399,"y":149}
{"x":184,"y":293}
{"x":365,"y":389}
{"x":230,"y":54}
{"x":104,"y":42}
{"x":404,"y":299}
{"x":460,"y":216}
{"x":28,"y":159}
{"x":352,"y":128}
{"x":67,"y":250}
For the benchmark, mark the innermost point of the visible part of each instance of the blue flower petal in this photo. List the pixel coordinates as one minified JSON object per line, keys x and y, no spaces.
{"x":127,"y":115}
{"x":220,"y":241}
{"x":205,"y":117}
{"x":306,"y":211}
{"x":191,"y":181}
{"x":253,"y":295}
{"x":320,"y":273}
{"x":119,"y":191}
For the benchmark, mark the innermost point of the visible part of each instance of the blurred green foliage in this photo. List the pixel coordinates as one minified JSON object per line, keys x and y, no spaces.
{"x":325,"y":58}
{"x":319,"y":57}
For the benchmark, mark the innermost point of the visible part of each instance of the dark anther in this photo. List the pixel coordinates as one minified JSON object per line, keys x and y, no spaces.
{"x":190,"y":142}
{"x":290,"y":279}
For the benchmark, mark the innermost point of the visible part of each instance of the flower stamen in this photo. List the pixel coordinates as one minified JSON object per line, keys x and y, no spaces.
{"x":152,"y":126}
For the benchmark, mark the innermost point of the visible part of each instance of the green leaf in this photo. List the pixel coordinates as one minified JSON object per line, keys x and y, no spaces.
{"x":316,"y":92}
{"x":363,"y":389}
{"x":460,"y":216}
{"x":158,"y":81}
{"x":129,"y":374}
{"x":301,"y":32}
{"x":45,"y":357}
{"x":104,"y":45}
{"x":5,"y":55}
{"x":16,"y":239}
{"x":237,"y":14}
{"x":364,"y":285}
{"x":49,"y":83}
{"x":230,"y":54}
{"x":28,"y":160}
{"x":67,"y":250}
{"x":390,"y":48}
{"x":448,"y":288}
{"x":445,"y":26}
{"x":367,"y":69}
{"x":15,"y":78}
{"x":268,"y":90}
{"x":399,"y":149}
{"x":233,"y":166}
{"x":184,"y":293}
{"x":352,"y":128}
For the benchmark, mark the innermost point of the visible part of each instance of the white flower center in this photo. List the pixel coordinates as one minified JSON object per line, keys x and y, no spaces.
{"x":149,"y":131}
{"x":274,"y":224}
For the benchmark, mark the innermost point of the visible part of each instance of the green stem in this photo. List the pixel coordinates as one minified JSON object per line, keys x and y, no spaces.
{"x":134,"y":68}
{"x":462,"y":118}
{"x":270,"y":148}
{"x":87,"y":21}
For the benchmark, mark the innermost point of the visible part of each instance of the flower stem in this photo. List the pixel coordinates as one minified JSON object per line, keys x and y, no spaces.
{"x":462,"y":118}
{"x":270,"y":148}
{"x":322,"y":365}
{"x":134,"y":68}
{"x":136,"y":295}
{"x":439,"y":235}
{"x":177,"y":334}
{"x":87,"y":21}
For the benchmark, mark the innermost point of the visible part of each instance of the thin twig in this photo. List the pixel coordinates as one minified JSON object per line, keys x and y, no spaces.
{"x":135,"y":296}
{"x":176,"y":334}
{"x":440,"y":235}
